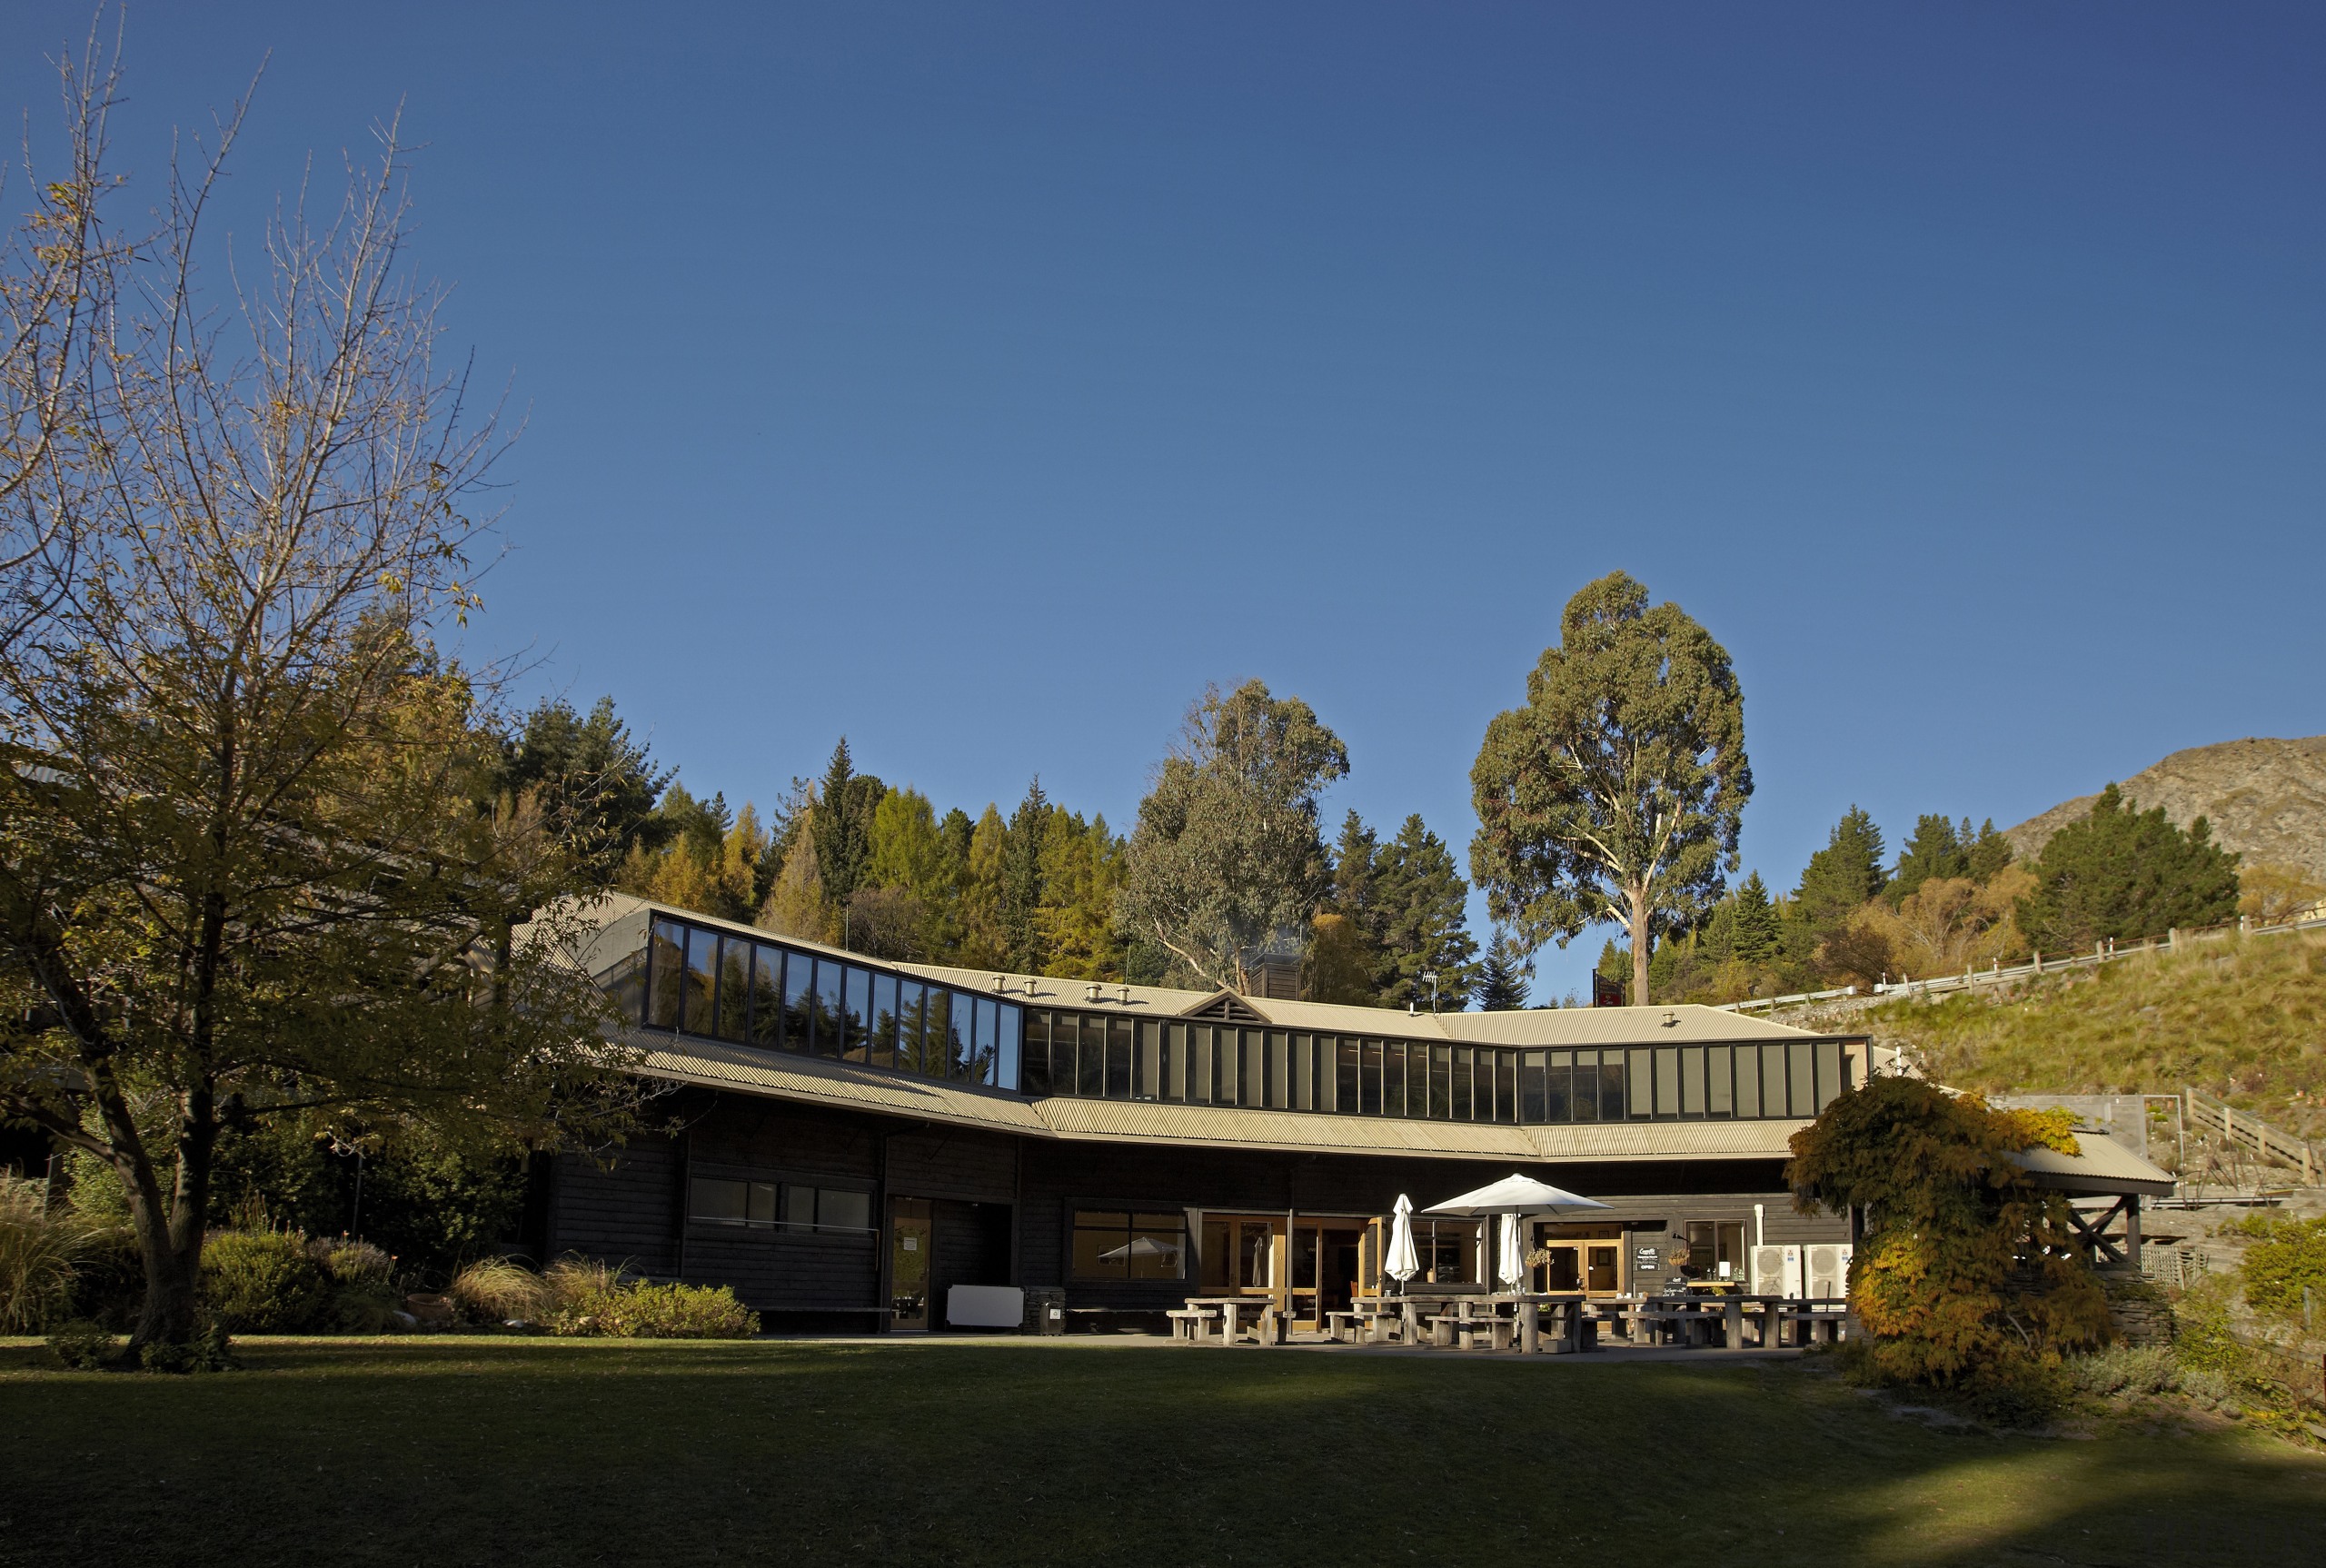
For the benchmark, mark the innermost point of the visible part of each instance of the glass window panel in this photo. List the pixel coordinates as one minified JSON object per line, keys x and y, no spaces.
{"x":1720,"y":1081}
{"x":838,"y":1209}
{"x":984,"y":1040}
{"x":1531,"y":1073}
{"x":1304,"y":1073}
{"x":1458,"y":1101}
{"x":856,"y":1009}
{"x":734,"y":988}
{"x":937,"y":1030}
{"x":884,"y":1020}
{"x":1829,"y":1072}
{"x":1773,"y":1103}
{"x":1505,"y":1085}
{"x":1199,"y":1064}
{"x":1344,"y":1075}
{"x":624,"y":983}
{"x":1174,"y":1062}
{"x":1638,"y":1074}
{"x":826,"y":1008}
{"x":762,"y":1203}
{"x":1441,"y":1081}
{"x":1615,"y":1102}
{"x":1558,"y":1085}
{"x":1280,"y":1071}
{"x":1148,"y":1075}
{"x":1393,"y":1079}
{"x":798,"y":1001}
{"x":959,"y":1062}
{"x":1585,"y":1106}
{"x":701,"y":982}
{"x":1748,"y":1080}
{"x":767,"y":996}
{"x":1101,"y":1254}
{"x":666,"y":959}
{"x":1118,"y":1058}
{"x":1800,"y":1078}
{"x":1035,"y":1068}
{"x":799,"y":1207}
{"x":1227,"y":1065}
{"x":911,"y":1003}
{"x":715,"y":1201}
{"x":1369,"y":1086}
{"x":1158,"y":1246}
{"x":1256,"y":1068}
{"x":1091,"y":1080}
{"x":1008,"y":1058}
{"x":1691,"y":1080}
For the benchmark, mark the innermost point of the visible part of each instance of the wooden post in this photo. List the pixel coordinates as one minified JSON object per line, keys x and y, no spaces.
{"x":1732,"y":1322}
{"x":2133,"y":1231}
{"x":1529,"y":1330}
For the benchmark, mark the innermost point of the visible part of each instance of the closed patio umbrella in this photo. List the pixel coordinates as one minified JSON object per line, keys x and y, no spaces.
{"x":1402,"y":1263}
{"x":1513,"y":1268}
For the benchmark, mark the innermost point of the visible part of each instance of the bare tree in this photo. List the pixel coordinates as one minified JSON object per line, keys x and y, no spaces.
{"x":253,"y":861}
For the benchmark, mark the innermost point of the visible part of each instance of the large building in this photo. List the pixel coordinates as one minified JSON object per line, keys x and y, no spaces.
{"x":848,"y":1138}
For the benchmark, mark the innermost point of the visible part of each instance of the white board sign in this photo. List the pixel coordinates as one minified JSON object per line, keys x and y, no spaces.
{"x":985,"y":1306}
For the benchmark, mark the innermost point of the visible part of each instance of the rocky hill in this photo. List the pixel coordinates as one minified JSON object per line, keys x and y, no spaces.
{"x":2266,"y":799}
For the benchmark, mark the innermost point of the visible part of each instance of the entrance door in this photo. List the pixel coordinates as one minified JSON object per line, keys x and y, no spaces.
{"x":910,"y":1232}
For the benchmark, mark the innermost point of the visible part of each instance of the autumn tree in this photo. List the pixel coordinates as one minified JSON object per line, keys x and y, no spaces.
{"x":1227,"y":860}
{"x":1617,"y":792}
{"x":256,"y":861}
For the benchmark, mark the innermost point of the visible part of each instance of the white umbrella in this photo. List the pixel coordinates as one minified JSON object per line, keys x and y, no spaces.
{"x":1514,"y":1265}
{"x":1403,"y":1263}
{"x":1142,"y":1246}
{"x":1514,"y":1196}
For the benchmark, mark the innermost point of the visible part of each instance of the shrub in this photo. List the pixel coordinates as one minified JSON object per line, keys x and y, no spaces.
{"x":263,"y":1283}
{"x":495,"y":1290}
{"x":2287,"y":1255}
{"x":83,"y":1347}
{"x":41,"y":1253}
{"x":2124,"y":1371}
{"x":589,"y":1298}
{"x":348,"y":1262}
{"x":208,"y":1351}
{"x":682,"y":1311}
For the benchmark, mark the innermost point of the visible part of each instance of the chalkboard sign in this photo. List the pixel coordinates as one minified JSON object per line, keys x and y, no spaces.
{"x":1647,"y":1258}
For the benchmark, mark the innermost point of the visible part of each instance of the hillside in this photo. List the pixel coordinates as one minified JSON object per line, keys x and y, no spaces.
{"x":2265,"y":798}
{"x":2245,"y":1021}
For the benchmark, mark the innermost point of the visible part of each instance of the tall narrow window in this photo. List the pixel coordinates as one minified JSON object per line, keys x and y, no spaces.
{"x":1174,"y":1079}
{"x":1615,"y":1090}
{"x":1460,"y":1105}
{"x":1441,"y":1081}
{"x":1505,"y":1085}
{"x":884,"y":1021}
{"x":1280,"y":1071}
{"x":1532,"y":1106}
{"x":856,"y":1013}
{"x":1720,"y":1083}
{"x":1691,"y":1080}
{"x":962,"y":1063}
{"x":1801,"y":1078}
{"x":799,"y":1002}
{"x":767,"y":996}
{"x":1345,"y":1077}
{"x":1256,"y":1069}
{"x":1199,"y":1065}
{"x":1748,"y":1080}
{"x":1118,"y":1058}
{"x":1147,"y":1073}
{"x":1638,"y":1077}
{"x":1227,"y":1065}
{"x":1091,"y":1083}
{"x":1586,"y":1104}
{"x":1007,"y":1063}
{"x":734,"y":988}
{"x":702,"y":982}
{"x":1035,"y":1066}
{"x":1393,"y":1079}
{"x":1369,"y":1088}
{"x":1831,"y":1074}
{"x":1772,"y":1101}
{"x":936,"y":1031}
{"x":665,"y":961}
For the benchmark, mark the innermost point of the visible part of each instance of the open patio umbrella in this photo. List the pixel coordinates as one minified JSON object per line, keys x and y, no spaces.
{"x":1510,"y":1197}
{"x":1402,"y":1263}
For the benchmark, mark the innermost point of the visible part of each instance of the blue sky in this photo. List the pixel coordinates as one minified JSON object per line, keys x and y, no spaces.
{"x":982,"y":382}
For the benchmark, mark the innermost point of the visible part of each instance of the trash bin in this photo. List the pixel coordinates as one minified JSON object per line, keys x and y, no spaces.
{"x":1045,"y":1310}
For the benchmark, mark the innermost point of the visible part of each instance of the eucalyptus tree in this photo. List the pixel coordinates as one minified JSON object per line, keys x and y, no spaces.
{"x":1227,"y":863}
{"x":254,"y":861}
{"x":1616,"y":790}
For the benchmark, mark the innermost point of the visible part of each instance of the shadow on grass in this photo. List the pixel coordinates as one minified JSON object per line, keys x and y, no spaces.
{"x":453,"y":1451}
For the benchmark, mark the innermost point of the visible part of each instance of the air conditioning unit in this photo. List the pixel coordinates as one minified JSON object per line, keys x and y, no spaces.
{"x":1828,"y":1270}
{"x":1776,"y":1270}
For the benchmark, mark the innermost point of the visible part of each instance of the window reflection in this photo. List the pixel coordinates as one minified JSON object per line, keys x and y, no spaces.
{"x":701,"y":984}
{"x":734,"y":988}
{"x":799,"y":1003}
{"x":767,"y":996}
{"x":884,"y":1020}
{"x":665,"y":959}
{"x":827,"y":1008}
{"x":856,"y":1011}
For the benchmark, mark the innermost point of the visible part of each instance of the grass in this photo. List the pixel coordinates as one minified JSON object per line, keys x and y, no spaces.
{"x":456,"y":1451}
{"x":2241,"y":1019}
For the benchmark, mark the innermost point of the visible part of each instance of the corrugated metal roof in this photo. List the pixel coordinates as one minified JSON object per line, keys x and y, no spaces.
{"x":1666,"y":1140}
{"x":837,"y":1084}
{"x":1220,"y":1126}
{"x":2102,"y":1165}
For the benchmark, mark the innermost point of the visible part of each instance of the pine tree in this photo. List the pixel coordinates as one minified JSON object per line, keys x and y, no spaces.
{"x":1755,"y":939}
{"x":843,"y":824}
{"x":1936,"y":850}
{"x":1843,"y":875}
{"x":1022,"y":881}
{"x":1502,"y":979}
{"x":1424,"y":921}
{"x":2124,"y":872}
{"x":1985,"y":852}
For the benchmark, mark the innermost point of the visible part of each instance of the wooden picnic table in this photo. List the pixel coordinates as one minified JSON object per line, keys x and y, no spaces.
{"x":1266,"y":1316}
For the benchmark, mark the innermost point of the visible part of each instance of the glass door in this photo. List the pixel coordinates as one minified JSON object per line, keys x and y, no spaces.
{"x":910,"y":1231}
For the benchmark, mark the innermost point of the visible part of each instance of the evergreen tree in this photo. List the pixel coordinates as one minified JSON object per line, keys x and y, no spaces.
{"x":1022,"y":881}
{"x":2123,"y":872}
{"x":1985,"y":852}
{"x":1936,"y":850}
{"x":595,"y":785}
{"x":1502,"y":979}
{"x":843,"y":824}
{"x":1424,"y":921}
{"x":1843,"y":875}
{"x":1754,"y":924}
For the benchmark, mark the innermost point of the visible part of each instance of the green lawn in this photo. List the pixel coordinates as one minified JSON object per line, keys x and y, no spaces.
{"x":437,"y":1453}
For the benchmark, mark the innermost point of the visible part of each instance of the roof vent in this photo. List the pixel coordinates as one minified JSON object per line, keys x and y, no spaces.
{"x":1001,"y":982}
{"x":1029,"y":984}
{"x":1126,"y":994}
{"x":1671,"y":1021}
{"x":1094,"y":990}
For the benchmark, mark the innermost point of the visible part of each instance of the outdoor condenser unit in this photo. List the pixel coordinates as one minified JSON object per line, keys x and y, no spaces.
{"x":1776,"y":1270}
{"x":1827,"y":1266}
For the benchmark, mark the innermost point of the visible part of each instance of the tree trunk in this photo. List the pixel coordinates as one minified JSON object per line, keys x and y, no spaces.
{"x":1639,"y":924}
{"x":171,"y":1271}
